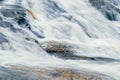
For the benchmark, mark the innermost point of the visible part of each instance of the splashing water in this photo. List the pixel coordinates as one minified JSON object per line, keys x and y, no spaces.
{"x":81,"y":23}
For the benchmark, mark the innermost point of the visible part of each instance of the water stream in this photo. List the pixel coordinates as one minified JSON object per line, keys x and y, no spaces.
{"x":85,"y":25}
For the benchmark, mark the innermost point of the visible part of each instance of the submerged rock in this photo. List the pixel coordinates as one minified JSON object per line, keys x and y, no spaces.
{"x":0,"y":18}
{"x":12,"y":13}
{"x":16,"y":14}
{"x":35,"y":73}
{"x":2,"y":38}
{"x":7,"y":25}
{"x":22,"y":21}
{"x":53,"y":9}
{"x":77,"y":57}
{"x":109,"y":8}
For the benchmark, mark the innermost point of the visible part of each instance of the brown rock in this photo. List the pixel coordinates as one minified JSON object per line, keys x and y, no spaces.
{"x":34,"y":73}
{"x":58,"y":46}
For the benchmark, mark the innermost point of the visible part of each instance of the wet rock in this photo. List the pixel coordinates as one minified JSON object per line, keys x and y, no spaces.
{"x":32,"y":14}
{"x":2,"y":38}
{"x":13,"y":6}
{"x":12,"y":13}
{"x":21,"y":72}
{"x":53,"y":9}
{"x":98,"y":3}
{"x":8,"y":13}
{"x":32,"y":40}
{"x":22,"y":21}
{"x":110,"y":11}
{"x":7,"y":25}
{"x":77,"y":57}
{"x":37,"y":34}
{"x":72,"y":56}
{"x":0,"y":18}
{"x":7,"y":74}
{"x":16,"y":14}
{"x":58,"y":47}
{"x":67,"y":51}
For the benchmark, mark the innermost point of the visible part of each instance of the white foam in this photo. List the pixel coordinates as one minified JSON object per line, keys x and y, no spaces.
{"x":105,"y":41}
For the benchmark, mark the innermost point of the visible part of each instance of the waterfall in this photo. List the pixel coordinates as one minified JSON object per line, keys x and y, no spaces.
{"x":87,"y":28}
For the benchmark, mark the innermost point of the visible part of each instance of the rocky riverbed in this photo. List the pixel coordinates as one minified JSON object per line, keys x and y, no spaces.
{"x":21,"y":72}
{"x":59,"y":40}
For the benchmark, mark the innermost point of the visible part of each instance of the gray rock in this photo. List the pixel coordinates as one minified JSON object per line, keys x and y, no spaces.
{"x":8,"y":13}
{"x":13,"y":13}
{"x":2,"y":38}
{"x":0,"y":18}
{"x":7,"y":25}
{"x":110,"y":11}
{"x":21,"y":72}
{"x":53,"y":9}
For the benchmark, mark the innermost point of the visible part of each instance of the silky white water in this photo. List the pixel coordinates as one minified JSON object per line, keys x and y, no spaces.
{"x":76,"y":22}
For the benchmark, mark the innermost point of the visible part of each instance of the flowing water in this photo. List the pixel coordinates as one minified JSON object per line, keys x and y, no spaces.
{"x":85,"y":23}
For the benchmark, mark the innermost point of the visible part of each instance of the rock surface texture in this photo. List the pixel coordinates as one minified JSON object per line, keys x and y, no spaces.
{"x":36,"y":73}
